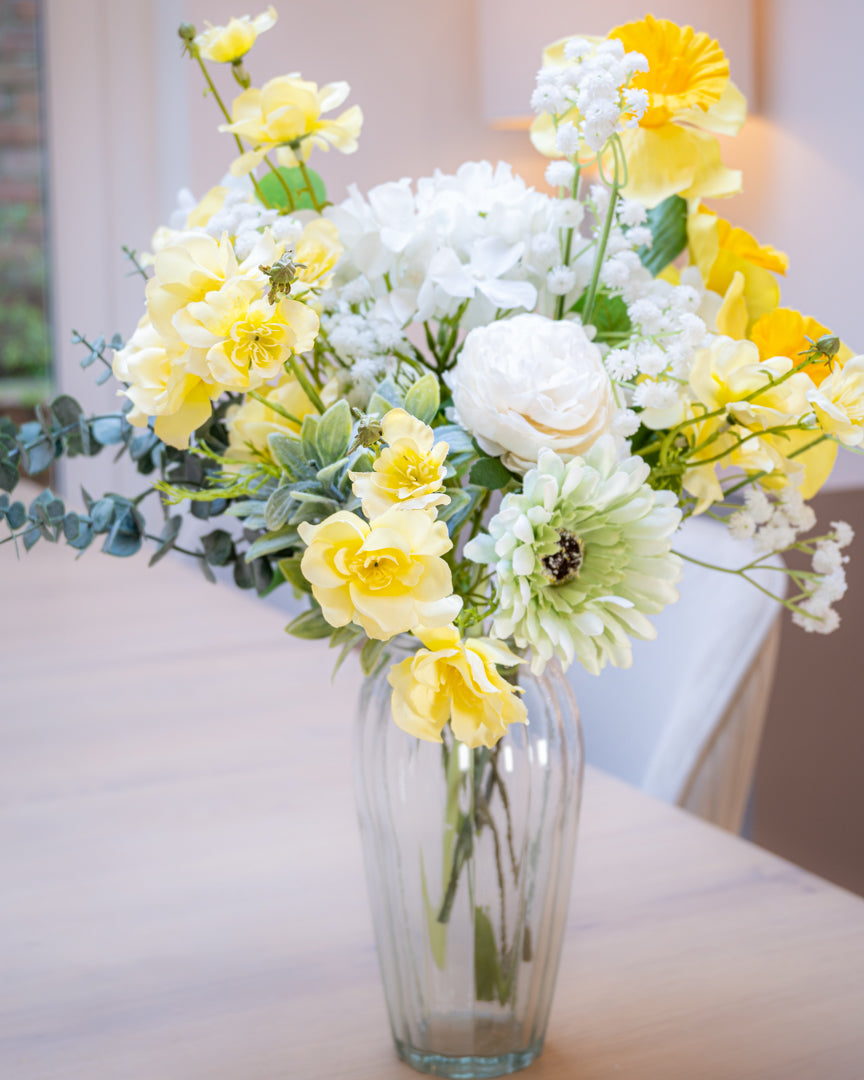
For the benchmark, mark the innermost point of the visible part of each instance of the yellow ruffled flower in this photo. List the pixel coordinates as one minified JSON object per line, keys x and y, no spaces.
{"x":250,"y":424}
{"x":739,"y":268}
{"x":387,"y":576}
{"x":785,"y":332}
{"x":839,"y":402}
{"x":316,"y":253}
{"x":673,"y":150}
{"x":160,"y":386}
{"x":456,"y":680}
{"x":225,"y":44}
{"x":409,"y":473}
{"x":202,"y":302}
{"x":286,"y":114}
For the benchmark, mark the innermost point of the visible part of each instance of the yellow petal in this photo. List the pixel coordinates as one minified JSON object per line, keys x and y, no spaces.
{"x":660,"y":161}
{"x":725,"y":117}
{"x":732,"y":316}
{"x":711,"y":178}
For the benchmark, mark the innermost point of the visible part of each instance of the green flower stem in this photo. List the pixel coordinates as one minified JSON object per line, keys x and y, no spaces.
{"x":308,"y":388}
{"x":304,"y":172}
{"x":227,"y":116}
{"x":758,"y":476}
{"x":788,"y":604}
{"x":615,"y":186}
{"x":275,"y":406}
{"x":289,"y":194}
{"x":753,"y":435}
{"x":568,"y":243}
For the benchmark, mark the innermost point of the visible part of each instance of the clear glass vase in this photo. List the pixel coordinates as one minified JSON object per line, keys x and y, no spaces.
{"x":469,"y":856}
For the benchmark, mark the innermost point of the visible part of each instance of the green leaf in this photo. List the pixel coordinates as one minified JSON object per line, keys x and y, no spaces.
{"x":668,"y":224}
{"x":334,"y":433}
{"x":71,"y":526}
{"x":167,"y":538}
{"x":458,"y":440}
{"x":102,"y":514}
{"x":311,"y":626}
{"x":37,"y":456}
{"x":8,"y":476}
{"x":84,"y":537}
{"x":424,"y":398}
{"x":609,"y":316}
{"x":16,"y":515}
{"x":288,"y":453}
{"x":308,"y":438}
{"x":66,"y":410}
{"x":30,"y":537}
{"x":124,"y":539}
{"x":378,"y":405}
{"x":293,"y":574}
{"x":283,"y":540}
{"x":486,"y":966}
{"x":489,"y":473}
{"x":108,"y":430}
{"x":279,"y":507}
{"x":274,"y":192}
{"x":371,"y":655}
{"x":218,"y":547}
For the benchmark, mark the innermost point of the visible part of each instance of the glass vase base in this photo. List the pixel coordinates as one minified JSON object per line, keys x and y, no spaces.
{"x":468,"y":1066}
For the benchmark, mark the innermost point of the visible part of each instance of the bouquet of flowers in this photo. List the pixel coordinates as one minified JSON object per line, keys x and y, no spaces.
{"x":471,"y":416}
{"x":359,"y":386}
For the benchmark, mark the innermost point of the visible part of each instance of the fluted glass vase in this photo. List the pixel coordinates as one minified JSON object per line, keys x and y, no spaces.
{"x":469,"y":856}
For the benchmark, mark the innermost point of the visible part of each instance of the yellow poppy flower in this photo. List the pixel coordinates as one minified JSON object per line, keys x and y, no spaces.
{"x":250,"y":424}
{"x":387,"y":576}
{"x":673,"y":150}
{"x":839,"y":403}
{"x":456,"y":680}
{"x":409,"y":473}
{"x":286,"y":113}
{"x":739,"y":268}
{"x":226,"y":44}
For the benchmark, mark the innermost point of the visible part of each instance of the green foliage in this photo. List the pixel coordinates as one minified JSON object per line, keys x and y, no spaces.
{"x":311,"y":625}
{"x":668,"y":225}
{"x":274,"y":191}
{"x":489,"y":472}
{"x":423,"y":398}
{"x":609,"y":316}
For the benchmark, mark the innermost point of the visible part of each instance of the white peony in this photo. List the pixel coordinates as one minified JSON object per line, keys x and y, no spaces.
{"x":530,"y":383}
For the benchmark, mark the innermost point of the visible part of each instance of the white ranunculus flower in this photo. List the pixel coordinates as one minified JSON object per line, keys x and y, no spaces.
{"x":529,"y":383}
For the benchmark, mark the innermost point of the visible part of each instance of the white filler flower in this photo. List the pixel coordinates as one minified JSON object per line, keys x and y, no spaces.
{"x":582,"y":555}
{"x":529,"y":383}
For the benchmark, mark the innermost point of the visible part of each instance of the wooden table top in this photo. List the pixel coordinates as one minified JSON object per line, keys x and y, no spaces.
{"x":182,"y":894}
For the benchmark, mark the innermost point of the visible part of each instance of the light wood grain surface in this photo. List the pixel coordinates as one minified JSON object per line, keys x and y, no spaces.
{"x":182,"y":894}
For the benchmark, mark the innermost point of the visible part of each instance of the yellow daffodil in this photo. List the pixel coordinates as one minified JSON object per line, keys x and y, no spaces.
{"x":409,"y":473}
{"x":456,"y":680}
{"x":739,"y":268}
{"x":226,"y":44}
{"x":839,"y":402}
{"x":285,"y":114}
{"x":673,"y":150}
{"x":316,"y":253}
{"x":250,"y":424}
{"x":387,"y":576}
{"x":785,"y":332}
{"x":159,"y":385}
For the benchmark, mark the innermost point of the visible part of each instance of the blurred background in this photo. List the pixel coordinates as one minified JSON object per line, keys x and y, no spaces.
{"x":102,"y":121}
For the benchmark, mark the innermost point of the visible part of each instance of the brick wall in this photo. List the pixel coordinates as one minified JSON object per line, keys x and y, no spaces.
{"x":24,"y":349}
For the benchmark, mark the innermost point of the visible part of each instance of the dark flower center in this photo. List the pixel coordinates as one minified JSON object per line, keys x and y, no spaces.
{"x":564,"y":564}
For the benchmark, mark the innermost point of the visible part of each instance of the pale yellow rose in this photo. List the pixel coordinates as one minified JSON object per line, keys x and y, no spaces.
{"x":286,"y":113}
{"x":201,"y":301}
{"x":456,"y":680}
{"x":250,"y":424}
{"x":387,"y":576}
{"x":839,"y":402}
{"x":316,"y":253}
{"x":225,"y":44}
{"x":160,"y":386}
{"x":409,"y":473}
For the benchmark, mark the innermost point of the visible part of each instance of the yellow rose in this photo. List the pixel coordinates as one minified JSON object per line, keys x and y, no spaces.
{"x":456,"y":680}
{"x":206,"y":305}
{"x":225,"y":44}
{"x":250,"y":424}
{"x":286,"y":113}
{"x":316,"y":253}
{"x":409,"y":473}
{"x":387,"y":576}
{"x":160,"y":386}
{"x":839,"y":402}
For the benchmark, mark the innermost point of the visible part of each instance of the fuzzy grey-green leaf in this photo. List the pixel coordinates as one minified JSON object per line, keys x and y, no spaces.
{"x":424,"y":398}
{"x":334,"y":433}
